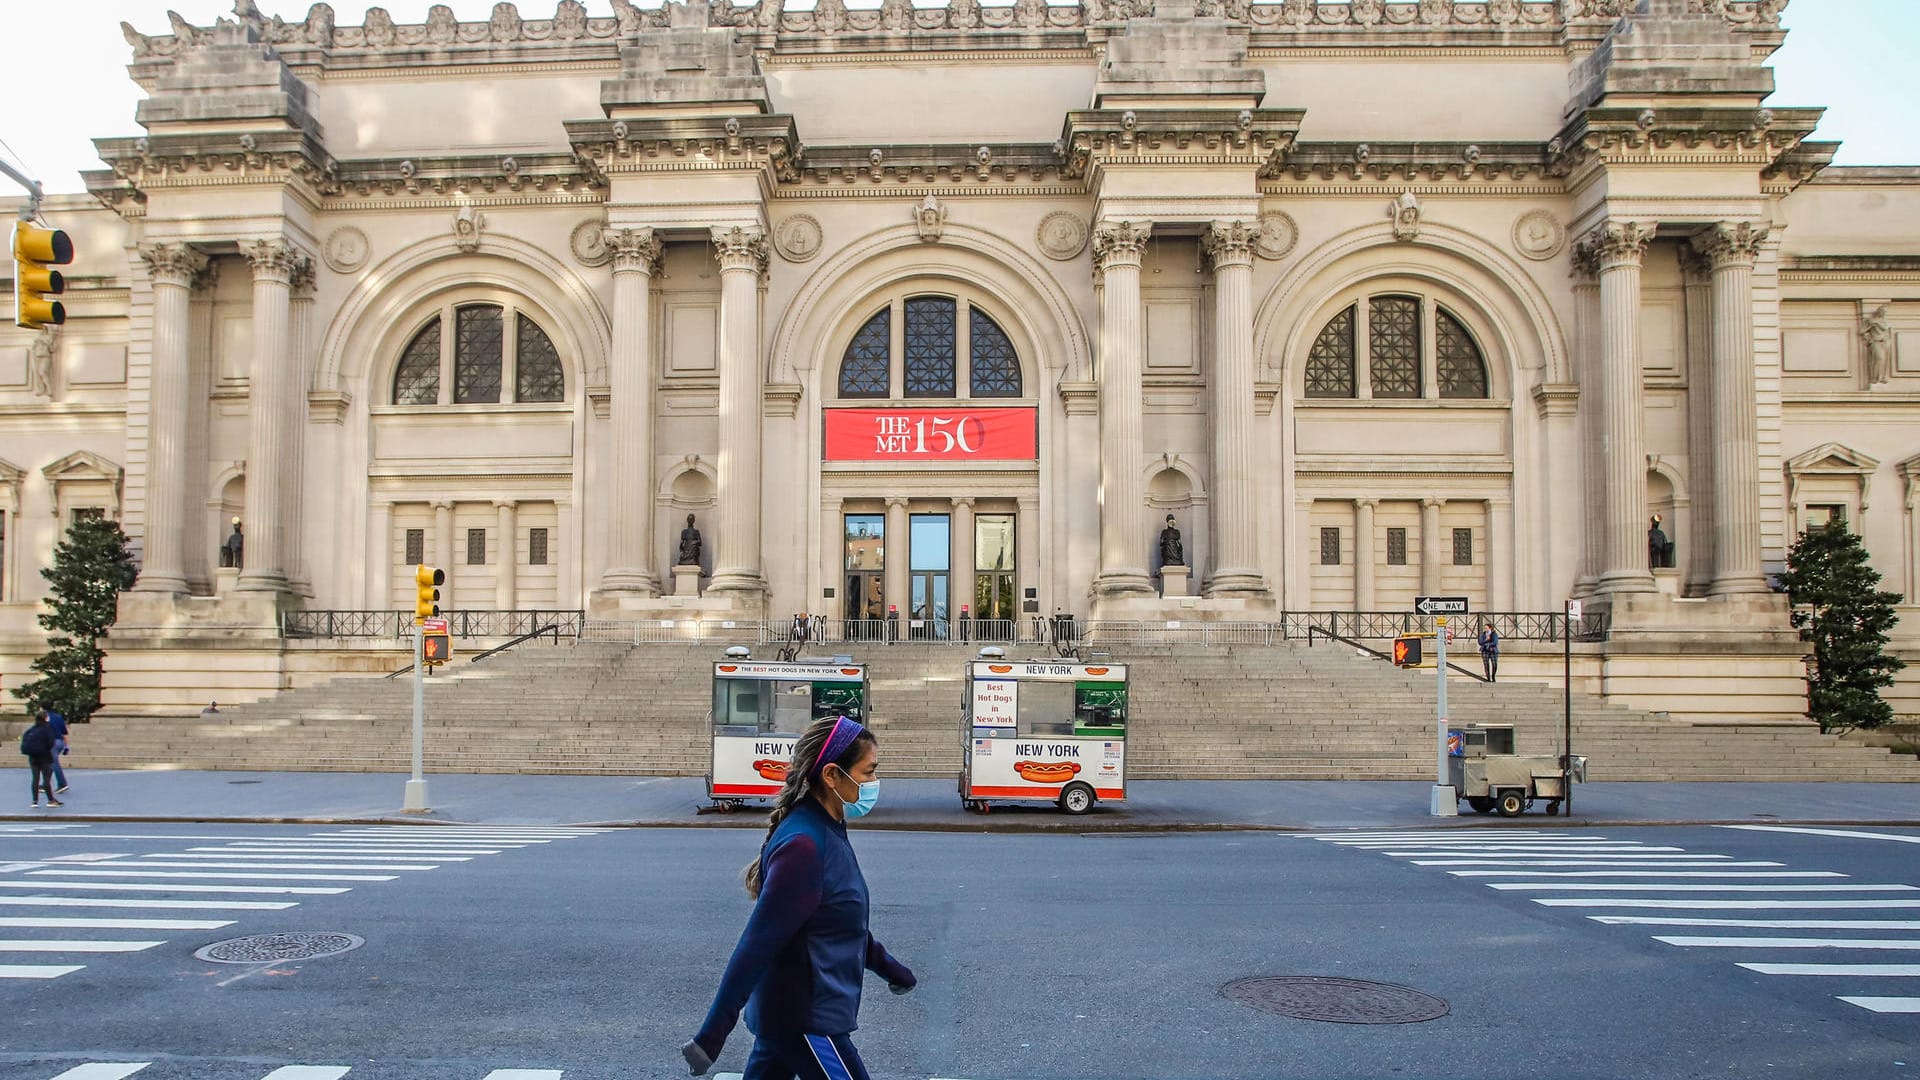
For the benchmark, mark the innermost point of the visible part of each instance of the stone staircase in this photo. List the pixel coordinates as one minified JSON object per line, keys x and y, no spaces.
{"x":1244,"y":712}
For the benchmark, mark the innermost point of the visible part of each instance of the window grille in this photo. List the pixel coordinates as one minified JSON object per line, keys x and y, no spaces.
{"x":1330,"y":362}
{"x":865,"y":368}
{"x":1462,"y":370}
{"x":538,"y":375}
{"x":536,"y":547}
{"x":995,"y":369}
{"x":477,"y":348}
{"x":1396,"y":547}
{"x":930,"y":346}
{"x":1463,"y":547}
{"x":1330,"y":546}
{"x":1395,"y":346}
{"x":417,"y":382}
{"x":416,"y":546}
{"x":476,"y":547}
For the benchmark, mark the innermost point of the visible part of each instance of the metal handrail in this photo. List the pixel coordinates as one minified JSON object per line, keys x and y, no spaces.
{"x":1377,"y":654}
{"x":554,"y":629}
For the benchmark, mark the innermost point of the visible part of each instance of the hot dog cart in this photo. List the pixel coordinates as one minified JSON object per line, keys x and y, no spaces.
{"x":760,"y":707}
{"x":1485,"y":771}
{"x":1042,"y":731}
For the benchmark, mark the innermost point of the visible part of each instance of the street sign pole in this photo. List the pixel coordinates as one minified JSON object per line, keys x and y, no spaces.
{"x":1566,"y":716}
{"x":1444,"y":804}
{"x":416,"y":801}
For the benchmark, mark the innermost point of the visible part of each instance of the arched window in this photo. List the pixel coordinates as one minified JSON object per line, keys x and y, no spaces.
{"x":476,"y":354}
{"x":1407,"y":347}
{"x":935,"y":332}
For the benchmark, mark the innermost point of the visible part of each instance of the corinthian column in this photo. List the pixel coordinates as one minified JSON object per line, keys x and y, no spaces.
{"x":1117,"y":250}
{"x":272,"y":384}
{"x":1229,"y":246}
{"x":736,"y":552}
{"x":163,"y":566}
{"x":1730,"y":248}
{"x":1619,"y":247}
{"x":636,"y":255}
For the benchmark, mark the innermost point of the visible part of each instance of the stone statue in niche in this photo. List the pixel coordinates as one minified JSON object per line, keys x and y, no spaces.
{"x":40,"y":365}
{"x":1659,"y":547}
{"x":1878,"y":334}
{"x":690,"y":544}
{"x":1172,"y":551}
{"x":233,"y":552}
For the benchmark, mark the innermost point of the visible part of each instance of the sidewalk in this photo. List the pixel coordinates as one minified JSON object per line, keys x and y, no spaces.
{"x":1153,"y":805}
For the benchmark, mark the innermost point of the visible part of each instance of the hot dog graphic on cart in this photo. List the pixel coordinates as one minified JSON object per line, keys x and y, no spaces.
{"x":1043,"y":731}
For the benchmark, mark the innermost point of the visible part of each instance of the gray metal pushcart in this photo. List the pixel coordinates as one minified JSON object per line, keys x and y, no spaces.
{"x":1486,"y":772}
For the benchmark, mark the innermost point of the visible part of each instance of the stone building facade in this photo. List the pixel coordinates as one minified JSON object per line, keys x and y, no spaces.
{"x":924,"y":307}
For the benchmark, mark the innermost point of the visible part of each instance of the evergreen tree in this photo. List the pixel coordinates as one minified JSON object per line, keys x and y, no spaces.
{"x":90,"y":569}
{"x":1839,"y":607}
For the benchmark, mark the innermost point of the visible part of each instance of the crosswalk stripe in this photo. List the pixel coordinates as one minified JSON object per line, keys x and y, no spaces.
{"x":1597,"y":852}
{"x":43,"y":945}
{"x":157,"y":861}
{"x":429,"y":841}
{"x":220,"y":876}
{"x":1609,"y":886}
{"x":164,"y":887}
{"x":1900,"y":838}
{"x":1865,"y":971}
{"x":402,"y":854}
{"x":1759,"y":924}
{"x":307,"y":1072}
{"x":37,"y":971}
{"x":1750,"y":905}
{"x":1647,"y":873}
{"x":23,"y":923}
{"x":1645,"y":863}
{"x":1891,"y":944}
{"x":1886,"y":1004}
{"x":523,"y":1074}
{"x":303,"y":858}
{"x":121,"y":902}
{"x":103,"y":1071}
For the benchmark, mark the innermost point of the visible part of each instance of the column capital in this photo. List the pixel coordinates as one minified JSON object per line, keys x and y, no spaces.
{"x":441,"y":504}
{"x":1696,"y":269}
{"x":632,"y":249}
{"x":173,"y":264}
{"x":964,"y":500}
{"x":1229,"y":243}
{"x":1614,"y":243}
{"x":896,"y":502}
{"x":1433,"y":502}
{"x":1119,"y":243}
{"x":1731,"y":244}
{"x":276,"y":259}
{"x":740,"y":248}
{"x":1365,"y":504}
{"x":505,"y":504}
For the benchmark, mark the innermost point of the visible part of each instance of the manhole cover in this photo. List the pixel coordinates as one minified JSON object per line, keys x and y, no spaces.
{"x":269,"y":948}
{"x":1335,"y":1000}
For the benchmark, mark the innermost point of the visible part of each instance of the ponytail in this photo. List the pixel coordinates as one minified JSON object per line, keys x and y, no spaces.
{"x":801,"y":772}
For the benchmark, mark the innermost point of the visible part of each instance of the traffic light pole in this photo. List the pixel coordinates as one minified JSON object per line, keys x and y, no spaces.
{"x":1445,"y":803}
{"x":417,"y":786}
{"x":31,"y":208}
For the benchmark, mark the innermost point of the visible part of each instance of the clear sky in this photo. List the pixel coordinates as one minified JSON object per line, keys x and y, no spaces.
{"x":1859,"y":58}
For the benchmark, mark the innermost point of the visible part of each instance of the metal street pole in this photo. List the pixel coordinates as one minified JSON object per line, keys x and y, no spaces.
{"x":1566,"y":719}
{"x":416,"y":801}
{"x":1444,"y":804}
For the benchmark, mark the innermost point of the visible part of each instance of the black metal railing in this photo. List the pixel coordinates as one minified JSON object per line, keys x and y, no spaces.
{"x":399,"y":624}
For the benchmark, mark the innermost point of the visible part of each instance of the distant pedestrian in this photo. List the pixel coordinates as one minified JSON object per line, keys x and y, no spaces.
{"x":58,"y":724}
{"x":37,"y":744}
{"x":799,"y":963}
{"x":1489,"y":651}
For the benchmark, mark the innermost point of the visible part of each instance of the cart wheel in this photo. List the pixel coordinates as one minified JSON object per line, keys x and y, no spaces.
{"x":1511,"y":803}
{"x":1480,"y":803}
{"x":1553,"y":807}
{"x":1076,"y":799}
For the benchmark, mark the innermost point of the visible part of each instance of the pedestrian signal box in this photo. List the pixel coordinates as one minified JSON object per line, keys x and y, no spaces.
{"x":436,"y":648}
{"x":1406,"y":652}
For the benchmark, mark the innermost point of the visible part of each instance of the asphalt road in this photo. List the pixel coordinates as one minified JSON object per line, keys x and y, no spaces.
{"x":591,"y":955}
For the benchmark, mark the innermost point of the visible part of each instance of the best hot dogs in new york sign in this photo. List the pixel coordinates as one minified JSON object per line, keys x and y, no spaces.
{"x":958,"y":434}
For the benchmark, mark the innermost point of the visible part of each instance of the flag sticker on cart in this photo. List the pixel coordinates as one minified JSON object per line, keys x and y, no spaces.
{"x":983,"y":747}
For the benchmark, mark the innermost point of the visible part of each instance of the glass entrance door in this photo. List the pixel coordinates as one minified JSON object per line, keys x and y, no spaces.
{"x":996,"y":604}
{"x":866,"y":556}
{"x":930,"y":563}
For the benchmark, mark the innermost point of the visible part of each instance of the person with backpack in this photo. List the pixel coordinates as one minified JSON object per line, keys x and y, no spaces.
{"x":58,"y":724}
{"x":37,"y":744}
{"x":800,"y":961}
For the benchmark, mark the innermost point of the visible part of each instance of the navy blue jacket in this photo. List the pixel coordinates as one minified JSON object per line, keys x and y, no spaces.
{"x":800,"y":961}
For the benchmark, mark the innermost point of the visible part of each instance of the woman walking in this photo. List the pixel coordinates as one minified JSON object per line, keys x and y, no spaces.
{"x":37,"y":744}
{"x":1489,"y":651}
{"x":800,"y":961}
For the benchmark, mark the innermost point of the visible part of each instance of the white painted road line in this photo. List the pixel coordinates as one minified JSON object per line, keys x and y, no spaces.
{"x":307,"y":1072}
{"x":1886,"y":1004}
{"x":272,"y":865}
{"x":1898,"y":838}
{"x":524,"y":1074}
{"x":1617,"y":851}
{"x":1608,"y":886}
{"x":1852,"y":971}
{"x":23,"y":923}
{"x":163,"y":887}
{"x":1648,"y":873}
{"x":41,"y":945}
{"x":402,"y":854}
{"x":221,"y":876}
{"x":1759,"y":924}
{"x":103,"y":1071}
{"x":122,"y":902}
{"x":1730,"y":905}
{"x":1646,"y":863}
{"x":1895,"y":944}
{"x":37,"y":971}
{"x":378,"y":841}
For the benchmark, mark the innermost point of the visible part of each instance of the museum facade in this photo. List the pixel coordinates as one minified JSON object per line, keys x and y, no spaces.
{"x":918,"y":310}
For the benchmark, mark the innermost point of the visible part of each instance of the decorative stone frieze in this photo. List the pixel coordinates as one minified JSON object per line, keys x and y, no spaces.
{"x":798,"y":238}
{"x":345,"y":249}
{"x":1061,"y":235}
{"x":1539,"y":236}
{"x":1259,"y":137}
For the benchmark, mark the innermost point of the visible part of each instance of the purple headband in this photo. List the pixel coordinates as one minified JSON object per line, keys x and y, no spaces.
{"x":842,"y":736}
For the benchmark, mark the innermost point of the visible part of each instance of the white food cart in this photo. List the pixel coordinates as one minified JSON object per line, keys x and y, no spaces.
{"x":1043,"y":731}
{"x":760,"y":707}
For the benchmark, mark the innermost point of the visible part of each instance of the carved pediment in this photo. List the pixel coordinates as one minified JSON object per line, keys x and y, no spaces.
{"x":1832,"y":459}
{"x":83,"y":465}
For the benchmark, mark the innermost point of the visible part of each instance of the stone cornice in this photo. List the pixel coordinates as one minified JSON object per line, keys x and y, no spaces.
{"x":747,"y":141}
{"x":139,"y":165}
{"x":1690,"y":135}
{"x":1096,"y":138}
{"x":1413,"y":162}
{"x":969,"y":164}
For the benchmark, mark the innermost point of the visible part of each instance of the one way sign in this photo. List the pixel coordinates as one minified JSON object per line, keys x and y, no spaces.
{"x":1440,"y":605}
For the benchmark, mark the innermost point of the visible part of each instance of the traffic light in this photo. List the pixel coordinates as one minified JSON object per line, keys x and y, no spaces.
{"x":1406,"y":652}
{"x":426,"y":592}
{"x":35,"y":252}
{"x":436,"y":648}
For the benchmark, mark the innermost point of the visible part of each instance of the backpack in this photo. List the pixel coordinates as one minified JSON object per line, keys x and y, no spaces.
{"x":36,"y":741}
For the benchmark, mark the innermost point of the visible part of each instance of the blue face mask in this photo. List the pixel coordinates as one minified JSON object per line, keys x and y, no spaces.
{"x":861,"y":807}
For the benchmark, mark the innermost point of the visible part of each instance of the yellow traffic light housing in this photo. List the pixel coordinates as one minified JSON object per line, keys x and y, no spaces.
{"x":35,"y":252}
{"x":426,"y":592}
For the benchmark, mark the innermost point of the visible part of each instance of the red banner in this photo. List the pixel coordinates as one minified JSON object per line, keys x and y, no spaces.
{"x":932,"y":434}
